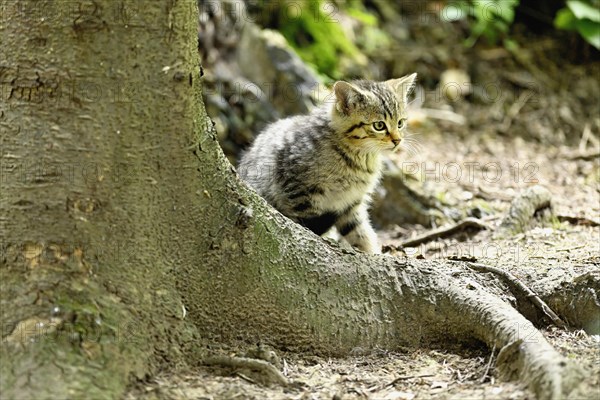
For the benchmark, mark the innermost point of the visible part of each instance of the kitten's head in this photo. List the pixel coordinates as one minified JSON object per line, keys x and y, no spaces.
{"x":372,"y":115}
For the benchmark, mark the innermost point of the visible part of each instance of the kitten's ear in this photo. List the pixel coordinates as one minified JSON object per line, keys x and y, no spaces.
{"x":403,"y":86}
{"x":348,"y":97}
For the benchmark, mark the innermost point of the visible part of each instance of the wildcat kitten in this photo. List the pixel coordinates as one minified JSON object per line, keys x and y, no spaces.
{"x":320,"y":169}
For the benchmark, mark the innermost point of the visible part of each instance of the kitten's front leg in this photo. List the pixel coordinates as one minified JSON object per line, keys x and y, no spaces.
{"x":355,"y":227}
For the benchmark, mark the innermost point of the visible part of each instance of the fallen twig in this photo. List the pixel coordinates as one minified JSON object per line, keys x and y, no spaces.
{"x":248,"y":363}
{"x":515,"y":109}
{"x":246,"y":378}
{"x":523,"y":291}
{"x":404,"y":378}
{"x":445,"y":232}
{"x":588,"y":136}
{"x":583,"y":155}
{"x":577,"y":220}
{"x":487,"y":194}
{"x":581,"y":246}
{"x":487,"y":368}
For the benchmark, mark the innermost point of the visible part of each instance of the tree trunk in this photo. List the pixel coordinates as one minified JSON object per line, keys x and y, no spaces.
{"x":129,"y":241}
{"x":99,"y":111}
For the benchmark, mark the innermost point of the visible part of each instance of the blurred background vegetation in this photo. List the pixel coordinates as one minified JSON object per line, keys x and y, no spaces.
{"x":273,"y":58}
{"x":310,"y":26}
{"x":499,"y":81}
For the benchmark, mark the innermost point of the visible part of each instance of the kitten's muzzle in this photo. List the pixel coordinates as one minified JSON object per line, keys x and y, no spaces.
{"x":396,"y":142}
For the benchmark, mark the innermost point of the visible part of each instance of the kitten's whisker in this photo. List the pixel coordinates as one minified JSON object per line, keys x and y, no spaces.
{"x":411,"y":141}
{"x":412,"y":136}
{"x":411,"y":147}
{"x":414,"y":145}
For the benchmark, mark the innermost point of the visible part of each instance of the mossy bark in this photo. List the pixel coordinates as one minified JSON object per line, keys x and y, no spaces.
{"x":98,"y":105}
{"x":153,"y":242}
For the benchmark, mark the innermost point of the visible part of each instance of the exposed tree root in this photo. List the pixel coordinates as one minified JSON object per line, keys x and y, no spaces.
{"x":525,"y":354}
{"x":292,"y":290}
{"x":519,"y":290}
{"x":269,"y":372}
{"x":445,"y":231}
{"x":575,"y":299}
{"x":378,"y":301}
{"x":522,"y":209}
{"x":266,"y":279}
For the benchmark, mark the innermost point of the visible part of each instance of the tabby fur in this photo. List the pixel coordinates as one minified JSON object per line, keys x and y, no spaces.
{"x":321,"y":169}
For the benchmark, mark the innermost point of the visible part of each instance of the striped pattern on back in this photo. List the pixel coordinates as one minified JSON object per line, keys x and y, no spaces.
{"x":320,"y":169}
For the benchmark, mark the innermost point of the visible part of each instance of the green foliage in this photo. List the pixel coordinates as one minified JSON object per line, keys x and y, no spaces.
{"x":315,"y":33}
{"x":489,"y":18}
{"x":582,"y":16}
{"x":315,"y":29}
{"x":362,"y":16}
{"x":371,"y":37}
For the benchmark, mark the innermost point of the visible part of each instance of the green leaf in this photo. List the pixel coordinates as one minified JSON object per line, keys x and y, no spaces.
{"x":488,"y":18}
{"x":590,"y":31}
{"x":507,"y":10}
{"x":565,"y":19}
{"x":511,"y":45}
{"x":494,"y":9}
{"x":364,"y":17}
{"x":584,"y":10}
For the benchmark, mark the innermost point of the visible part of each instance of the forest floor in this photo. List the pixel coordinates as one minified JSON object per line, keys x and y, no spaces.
{"x":465,"y":373}
{"x":402,"y":375}
{"x":547,"y":136}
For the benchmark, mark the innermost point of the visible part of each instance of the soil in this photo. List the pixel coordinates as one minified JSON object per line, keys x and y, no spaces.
{"x":544,"y":129}
{"x":401,"y":375}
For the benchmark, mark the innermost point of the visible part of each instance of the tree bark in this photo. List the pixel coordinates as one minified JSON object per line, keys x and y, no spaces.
{"x":99,"y":104}
{"x":129,"y":241}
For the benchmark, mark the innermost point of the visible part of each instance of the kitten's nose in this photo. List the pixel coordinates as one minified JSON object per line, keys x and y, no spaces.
{"x":396,"y":141}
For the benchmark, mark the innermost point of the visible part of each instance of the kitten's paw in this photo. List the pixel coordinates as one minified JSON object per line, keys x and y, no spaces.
{"x":364,"y":238}
{"x":371,"y":247}
{"x":376,"y":249}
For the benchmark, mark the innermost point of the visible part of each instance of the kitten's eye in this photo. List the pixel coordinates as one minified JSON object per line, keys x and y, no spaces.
{"x":402,"y":123}
{"x":379,"y":126}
